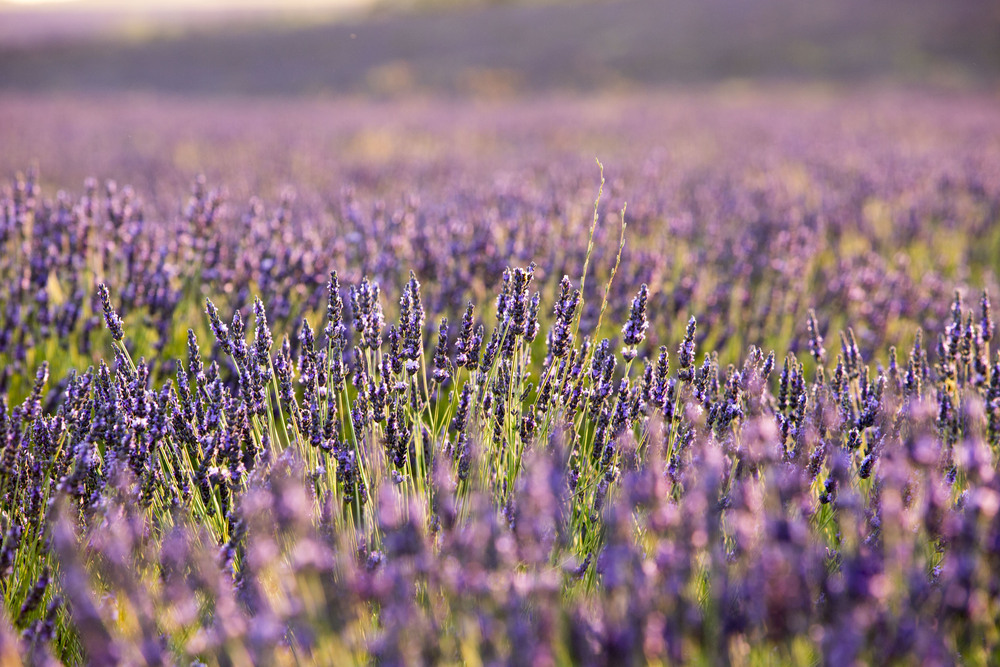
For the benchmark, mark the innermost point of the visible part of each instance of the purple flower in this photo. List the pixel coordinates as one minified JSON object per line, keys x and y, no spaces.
{"x":111,"y":318}
{"x":634,"y":331}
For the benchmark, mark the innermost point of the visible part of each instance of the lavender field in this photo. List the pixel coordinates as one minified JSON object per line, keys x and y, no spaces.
{"x":419,"y":381}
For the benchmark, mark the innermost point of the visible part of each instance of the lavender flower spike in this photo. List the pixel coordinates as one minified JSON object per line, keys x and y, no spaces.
{"x":112,"y":319}
{"x":634,"y":331}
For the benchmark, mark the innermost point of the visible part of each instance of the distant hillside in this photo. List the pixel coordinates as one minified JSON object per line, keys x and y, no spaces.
{"x":503,"y":47}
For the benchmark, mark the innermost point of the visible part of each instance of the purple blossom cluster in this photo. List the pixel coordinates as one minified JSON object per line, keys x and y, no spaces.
{"x":564,"y":509}
{"x":862,"y":207}
{"x":444,"y":452}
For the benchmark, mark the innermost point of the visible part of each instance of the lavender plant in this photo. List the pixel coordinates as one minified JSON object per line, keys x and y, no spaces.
{"x":259,"y":460}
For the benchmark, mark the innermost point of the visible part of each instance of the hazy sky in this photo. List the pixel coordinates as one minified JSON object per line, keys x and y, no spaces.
{"x":190,"y":4}
{"x":26,"y":22}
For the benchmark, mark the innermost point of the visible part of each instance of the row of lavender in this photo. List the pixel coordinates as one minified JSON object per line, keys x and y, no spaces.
{"x":505,"y":495}
{"x":484,"y":461}
{"x":514,"y":496}
{"x":872,"y":211}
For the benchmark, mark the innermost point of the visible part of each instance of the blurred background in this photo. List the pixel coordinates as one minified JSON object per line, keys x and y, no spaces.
{"x":488,"y":47}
